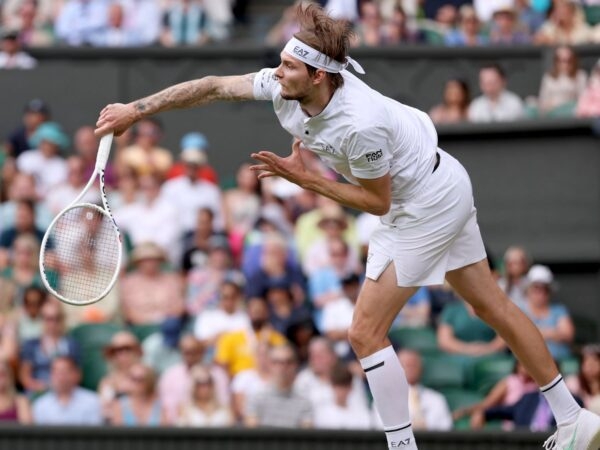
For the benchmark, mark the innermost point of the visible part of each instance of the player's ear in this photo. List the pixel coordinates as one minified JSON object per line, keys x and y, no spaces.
{"x":319,"y":76}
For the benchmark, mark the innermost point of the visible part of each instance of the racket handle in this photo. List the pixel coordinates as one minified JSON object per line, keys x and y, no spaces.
{"x":104,"y":151}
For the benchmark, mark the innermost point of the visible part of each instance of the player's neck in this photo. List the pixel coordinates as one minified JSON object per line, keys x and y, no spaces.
{"x":316,"y":102}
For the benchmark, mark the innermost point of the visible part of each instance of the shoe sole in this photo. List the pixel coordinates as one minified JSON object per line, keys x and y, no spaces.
{"x":595,"y":442}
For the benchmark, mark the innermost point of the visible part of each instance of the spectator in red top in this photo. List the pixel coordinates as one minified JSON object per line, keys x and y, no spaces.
{"x":193,"y":148}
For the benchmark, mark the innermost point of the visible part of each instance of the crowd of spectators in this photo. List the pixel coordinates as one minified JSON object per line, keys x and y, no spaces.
{"x":234,"y":300}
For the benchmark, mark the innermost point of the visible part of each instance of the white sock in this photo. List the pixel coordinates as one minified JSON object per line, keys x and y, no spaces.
{"x":563,"y":405}
{"x":390,"y":394}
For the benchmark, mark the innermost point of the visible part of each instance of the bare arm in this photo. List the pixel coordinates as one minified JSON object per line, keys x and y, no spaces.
{"x":119,"y":117}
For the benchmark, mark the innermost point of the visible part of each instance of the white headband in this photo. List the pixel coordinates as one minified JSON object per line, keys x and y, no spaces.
{"x":315,"y":58}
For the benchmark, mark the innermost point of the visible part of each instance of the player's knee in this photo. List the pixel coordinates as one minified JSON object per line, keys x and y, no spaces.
{"x":364,"y":338}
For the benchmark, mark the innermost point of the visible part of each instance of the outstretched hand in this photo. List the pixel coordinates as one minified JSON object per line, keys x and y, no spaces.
{"x":116,"y":117}
{"x":291,"y":168}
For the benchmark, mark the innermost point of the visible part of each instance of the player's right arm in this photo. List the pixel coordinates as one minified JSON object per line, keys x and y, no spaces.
{"x":118,"y":117}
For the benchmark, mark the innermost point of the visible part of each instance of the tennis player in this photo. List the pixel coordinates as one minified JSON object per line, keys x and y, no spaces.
{"x":389,"y":154}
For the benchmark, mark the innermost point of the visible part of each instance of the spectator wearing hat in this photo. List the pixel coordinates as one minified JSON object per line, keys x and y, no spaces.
{"x":150,"y":294}
{"x":44,"y":161}
{"x":188,"y":193}
{"x":195,"y":145}
{"x":204,"y":283}
{"x":505,"y":28}
{"x":145,"y":156}
{"x":229,"y":315}
{"x":11,"y":55}
{"x":553,"y":320}
{"x":35,"y":113}
{"x":120,"y":354}
{"x":176,"y":382}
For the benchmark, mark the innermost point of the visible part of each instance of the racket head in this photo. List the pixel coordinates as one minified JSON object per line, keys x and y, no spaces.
{"x":80,"y":255}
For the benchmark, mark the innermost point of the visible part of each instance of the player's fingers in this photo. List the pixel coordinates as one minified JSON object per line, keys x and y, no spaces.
{"x":263,"y":175}
{"x":260,"y":167}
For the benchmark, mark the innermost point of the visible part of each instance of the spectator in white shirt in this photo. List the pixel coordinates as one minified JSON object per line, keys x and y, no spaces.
{"x":44,"y":161}
{"x":143,"y":18}
{"x":189,"y":193}
{"x":79,"y":21}
{"x":497,"y":104}
{"x":11,"y":55}
{"x":116,"y":33}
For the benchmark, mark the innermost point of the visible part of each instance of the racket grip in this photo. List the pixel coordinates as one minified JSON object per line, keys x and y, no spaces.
{"x":104,"y":151}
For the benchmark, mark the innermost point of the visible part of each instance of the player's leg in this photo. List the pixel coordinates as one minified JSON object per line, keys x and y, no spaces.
{"x":476,"y":285}
{"x":378,"y":304}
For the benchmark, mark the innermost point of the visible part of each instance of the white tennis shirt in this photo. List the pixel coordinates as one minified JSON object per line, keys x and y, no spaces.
{"x":361,"y":134}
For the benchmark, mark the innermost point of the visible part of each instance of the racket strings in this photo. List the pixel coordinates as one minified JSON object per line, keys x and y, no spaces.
{"x":83,"y":248}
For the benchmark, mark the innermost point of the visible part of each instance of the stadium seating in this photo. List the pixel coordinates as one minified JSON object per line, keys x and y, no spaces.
{"x":442,"y":371}
{"x":488,"y":371}
{"x":421,"y":339}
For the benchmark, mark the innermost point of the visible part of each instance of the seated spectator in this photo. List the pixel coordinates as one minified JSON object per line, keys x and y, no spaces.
{"x":140,"y":406}
{"x":586,"y":383}
{"x":140,"y":220}
{"x":161,"y":348}
{"x":468,"y":33}
{"x":369,"y":28}
{"x":117,"y":32}
{"x":428,"y":408}
{"x":455,"y":103}
{"x":251,"y":381}
{"x":553,"y":320}
{"x":203,"y":409}
{"x":44,"y":161}
{"x":505,"y":392}
{"x":461,"y":332}
{"x":24,"y":225}
{"x":9,"y":344}
{"x":326,"y":251}
{"x":66,"y":403}
{"x":175,"y":383}
{"x":279,"y":405}
{"x":15,"y":408}
{"x":121,"y":353}
{"x":85,"y":145}
{"x":38,"y":354}
{"x":22,"y":188}
{"x":12,"y":55}
{"x":33,"y":32}
{"x":275,"y":269}
{"x":29,"y":314}
{"x":286,"y":27}
{"x":198,"y":242}
{"x":514,"y":278}
{"x":188,"y":193}
{"x":532,"y":15}
{"x":314,"y":381}
{"x":416,"y":311}
{"x":563,"y":84}
{"x":184,"y":23}
{"x":204,"y":283}
{"x":10,"y":11}
{"x":236,"y":351}
{"x":148,"y":293}
{"x":397,"y":29}
{"x":196,"y":145}
{"x":229,"y":315}
{"x":35,"y":113}
{"x":144,"y":156}
{"x":588,"y":104}
{"x":505,"y":29}
{"x":496,"y":104}
{"x":143,"y":18}
{"x":284,"y":311}
{"x":565,"y":25}
{"x":24,"y":270}
{"x":79,"y":21}
{"x":64,"y":193}
{"x":341,"y":413}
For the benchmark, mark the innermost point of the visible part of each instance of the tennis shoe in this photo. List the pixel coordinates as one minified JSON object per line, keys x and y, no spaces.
{"x":582,"y":434}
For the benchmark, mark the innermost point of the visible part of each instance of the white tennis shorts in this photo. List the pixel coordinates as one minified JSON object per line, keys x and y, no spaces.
{"x":434,"y":232}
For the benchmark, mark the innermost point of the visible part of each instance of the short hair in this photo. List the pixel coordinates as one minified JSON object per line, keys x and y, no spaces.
{"x":495,"y":67}
{"x":341,"y":375}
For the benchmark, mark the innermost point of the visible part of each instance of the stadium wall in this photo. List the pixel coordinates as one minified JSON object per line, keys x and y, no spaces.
{"x":102,"y":438}
{"x":537,"y":182}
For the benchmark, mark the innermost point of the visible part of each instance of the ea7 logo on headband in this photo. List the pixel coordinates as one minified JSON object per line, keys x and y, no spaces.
{"x":300,"y":52}
{"x":374,"y":156}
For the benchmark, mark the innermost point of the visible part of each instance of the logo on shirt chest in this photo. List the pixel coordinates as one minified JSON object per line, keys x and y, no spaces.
{"x":374,"y":156}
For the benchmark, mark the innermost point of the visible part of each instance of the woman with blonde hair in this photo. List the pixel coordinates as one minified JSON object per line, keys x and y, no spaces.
{"x":140,"y":407}
{"x":13,"y":407}
{"x":203,"y":408}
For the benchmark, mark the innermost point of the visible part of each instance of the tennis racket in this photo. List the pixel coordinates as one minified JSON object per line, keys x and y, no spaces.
{"x":80,"y":255}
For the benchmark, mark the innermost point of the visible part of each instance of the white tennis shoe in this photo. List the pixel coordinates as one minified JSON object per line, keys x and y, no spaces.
{"x":582,"y":434}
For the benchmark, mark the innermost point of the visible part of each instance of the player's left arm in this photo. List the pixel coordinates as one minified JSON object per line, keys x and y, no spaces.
{"x":370,"y":195}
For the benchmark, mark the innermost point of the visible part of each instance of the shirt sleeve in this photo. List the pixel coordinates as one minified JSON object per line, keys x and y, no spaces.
{"x":266,"y":86}
{"x":368,"y":153}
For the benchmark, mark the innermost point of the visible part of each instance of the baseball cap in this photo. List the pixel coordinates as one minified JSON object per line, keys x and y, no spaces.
{"x":9,"y":34}
{"x":542,"y":275}
{"x":37,"y":105}
{"x":193,"y":146}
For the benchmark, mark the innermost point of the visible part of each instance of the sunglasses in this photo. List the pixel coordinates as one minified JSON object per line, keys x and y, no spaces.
{"x":122,"y":348}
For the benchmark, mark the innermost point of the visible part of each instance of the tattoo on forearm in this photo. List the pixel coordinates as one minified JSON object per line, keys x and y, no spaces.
{"x":198,"y":92}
